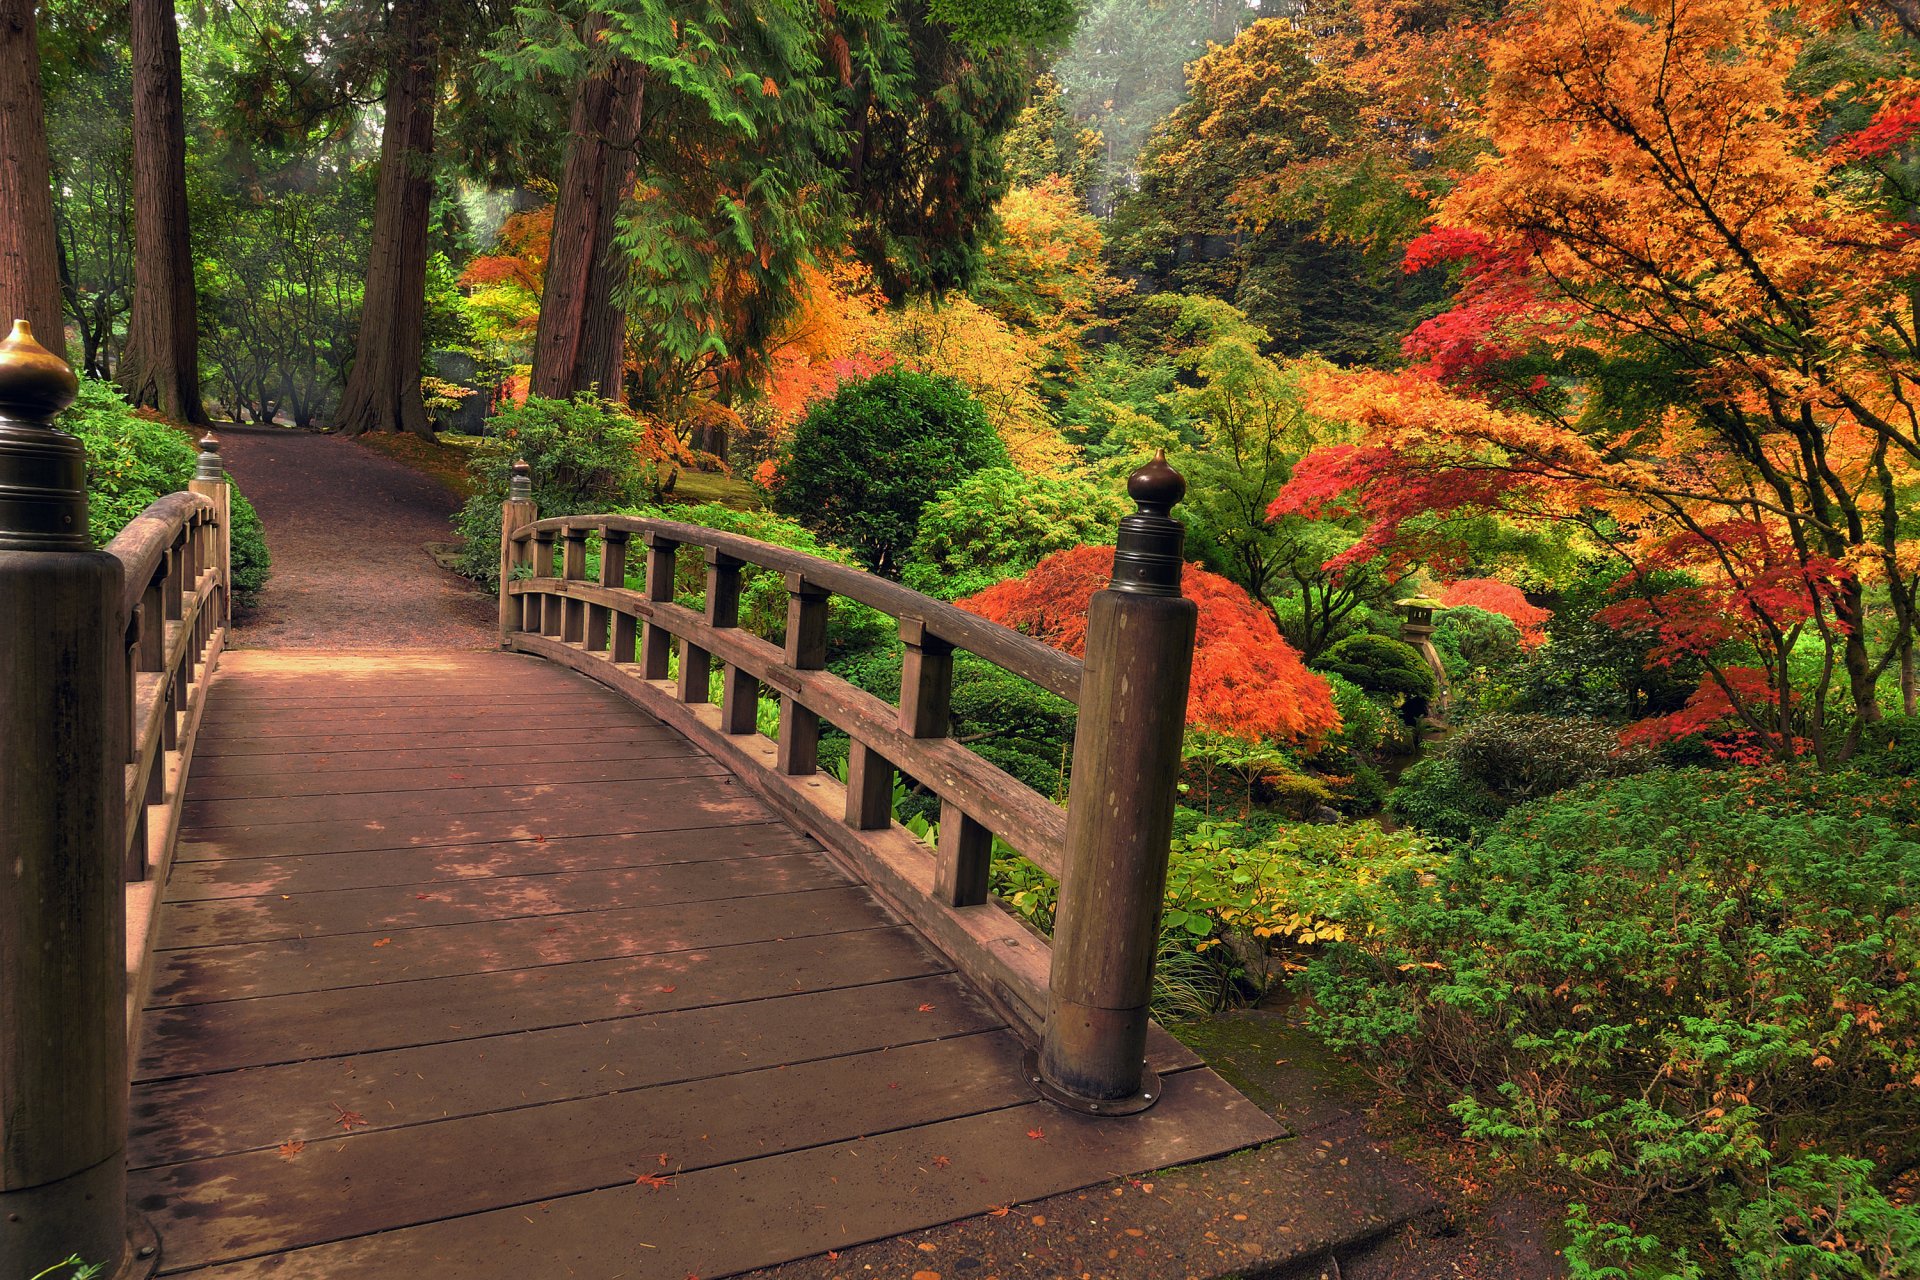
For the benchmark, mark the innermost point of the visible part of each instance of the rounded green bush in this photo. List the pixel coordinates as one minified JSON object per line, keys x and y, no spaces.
{"x":1380,"y":665}
{"x":131,"y":461}
{"x":861,"y":466}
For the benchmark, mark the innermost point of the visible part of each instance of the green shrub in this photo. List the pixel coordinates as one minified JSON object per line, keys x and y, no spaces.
{"x":585,"y":458}
{"x":1519,"y":757}
{"x":1436,"y":797}
{"x":131,"y":461}
{"x":1364,"y":724}
{"x":1470,"y":639}
{"x":861,"y":466}
{"x":1892,"y":746}
{"x":998,"y":523}
{"x":1379,"y":665}
{"x":1685,"y":995}
{"x":1503,"y":760}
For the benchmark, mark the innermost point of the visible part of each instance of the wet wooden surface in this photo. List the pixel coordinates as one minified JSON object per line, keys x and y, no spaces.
{"x":471,"y":969}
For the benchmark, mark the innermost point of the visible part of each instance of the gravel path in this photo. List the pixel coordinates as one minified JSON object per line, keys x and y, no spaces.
{"x":348,"y":531}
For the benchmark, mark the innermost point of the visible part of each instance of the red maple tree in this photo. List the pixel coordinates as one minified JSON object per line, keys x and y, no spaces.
{"x":1248,"y":682}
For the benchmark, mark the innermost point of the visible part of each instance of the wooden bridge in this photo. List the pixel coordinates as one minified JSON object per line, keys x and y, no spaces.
{"x":539,"y":962}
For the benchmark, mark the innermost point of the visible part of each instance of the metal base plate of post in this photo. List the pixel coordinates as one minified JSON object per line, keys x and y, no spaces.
{"x":1148,"y":1095}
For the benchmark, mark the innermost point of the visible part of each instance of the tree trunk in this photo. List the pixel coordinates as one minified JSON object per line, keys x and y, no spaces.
{"x":580,"y":343}
{"x":383,"y":388}
{"x":29,"y":250}
{"x":161,"y":365}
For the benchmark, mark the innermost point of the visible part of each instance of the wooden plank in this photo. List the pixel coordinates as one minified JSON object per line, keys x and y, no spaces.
{"x":458,"y":797}
{"x":319,"y":872}
{"x":633,"y":746}
{"x":215,"y":1210}
{"x":299,"y":782}
{"x":586,"y":715}
{"x":253,"y":969}
{"x":731,"y":1219}
{"x":225,"y":921}
{"x":189,"y":1039}
{"x":498,"y":693}
{"x":665,"y":805}
{"x":532,"y":741}
{"x":199,"y":1116}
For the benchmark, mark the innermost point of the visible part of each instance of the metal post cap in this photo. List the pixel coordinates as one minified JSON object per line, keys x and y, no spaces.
{"x":35,"y":384}
{"x":208,"y":467}
{"x":520,"y":486}
{"x":1148,"y":553}
{"x":43,"y":471}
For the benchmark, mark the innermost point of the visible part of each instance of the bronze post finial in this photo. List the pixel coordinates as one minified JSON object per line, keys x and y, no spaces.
{"x":520,"y":486}
{"x":43,"y":471}
{"x":1148,"y":552}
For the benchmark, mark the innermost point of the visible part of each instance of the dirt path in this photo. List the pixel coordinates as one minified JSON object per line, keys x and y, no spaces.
{"x":348,"y":531}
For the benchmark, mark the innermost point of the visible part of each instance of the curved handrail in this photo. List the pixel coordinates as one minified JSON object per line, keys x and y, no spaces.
{"x":148,"y":536}
{"x":1052,"y":670}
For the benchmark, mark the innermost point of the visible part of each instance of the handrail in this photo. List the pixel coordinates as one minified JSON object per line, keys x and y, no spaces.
{"x":150,"y":535}
{"x":1083,"y":999}
{"x":1024,"y":656}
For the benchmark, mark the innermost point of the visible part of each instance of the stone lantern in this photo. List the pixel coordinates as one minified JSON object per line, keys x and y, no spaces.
{"x":1417,"y":631}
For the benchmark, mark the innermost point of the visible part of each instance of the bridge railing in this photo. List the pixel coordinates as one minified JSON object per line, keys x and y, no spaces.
{"x":1083,"y":1000}
{"x":104,"y":659}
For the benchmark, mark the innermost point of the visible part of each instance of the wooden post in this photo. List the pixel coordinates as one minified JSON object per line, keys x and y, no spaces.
{"x":210,"y":482}
{"x":1126,"y":762}
{"x":63,"y":751}
{"x":613,"y":573}
{"x":654,"y":646}
{"x":516,"y":511}
{"x":797,"y":751}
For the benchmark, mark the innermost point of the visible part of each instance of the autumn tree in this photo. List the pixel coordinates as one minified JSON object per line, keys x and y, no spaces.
{"x":29,"y":250}
{"x":1247,"y":682}
{"x":1259,"y":105}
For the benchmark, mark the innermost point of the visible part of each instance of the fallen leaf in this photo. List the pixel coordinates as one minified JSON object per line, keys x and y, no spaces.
{"x":539,"y":839}
{"x":291,"y":1148}
{"x":421,"y":897}
{"x":663,"y":1159}
{"x":666,"y":991}
{"x":926,"y":1008}
{"x":1037,"y":1134}
{"x":349,"y":1120}
{"x":383,"y":942}
{"x":833,"y":1255}
{"x":941,"y":1162}
{"x":1000,"y":1211}
{"x":654,"y":1180}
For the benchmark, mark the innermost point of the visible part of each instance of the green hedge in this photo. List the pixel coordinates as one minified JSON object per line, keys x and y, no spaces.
{"x":131,"y":461}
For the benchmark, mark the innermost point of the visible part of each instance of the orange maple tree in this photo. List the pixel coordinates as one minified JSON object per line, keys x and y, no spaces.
{"x":1688,"y":326}
{"x":1498,"y":597}
{"x":1248,"y":682}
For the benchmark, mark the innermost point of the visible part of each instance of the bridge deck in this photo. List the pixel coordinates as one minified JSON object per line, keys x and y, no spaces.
{"x":468,"y":968}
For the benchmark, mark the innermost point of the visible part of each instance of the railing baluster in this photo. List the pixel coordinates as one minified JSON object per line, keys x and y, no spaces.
{"x":696,"y":664}
{"x":176,"y":680}
{"x":869,"y":788}
{"x":573,"y":568}
{"x":654,"y":646}
{"x":965,"y":850}
{"x":613,"y":573}
{"x":739,"y":691}
{"x":798,"y":749}
{"x":547,"y":606}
